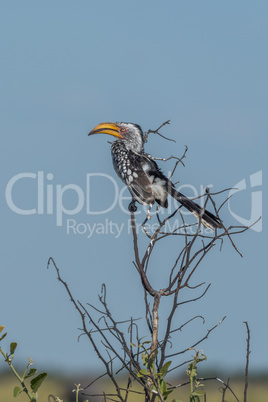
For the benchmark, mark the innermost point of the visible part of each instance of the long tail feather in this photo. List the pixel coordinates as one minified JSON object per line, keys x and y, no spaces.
{"x":207,"y":218}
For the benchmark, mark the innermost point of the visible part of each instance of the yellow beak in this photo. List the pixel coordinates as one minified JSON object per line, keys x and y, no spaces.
{"x":106,"y":128}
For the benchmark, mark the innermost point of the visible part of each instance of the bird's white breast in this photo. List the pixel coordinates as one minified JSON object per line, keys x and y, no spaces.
{"x":158,"y":188}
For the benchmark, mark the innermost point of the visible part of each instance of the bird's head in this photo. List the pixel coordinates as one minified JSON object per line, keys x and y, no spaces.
{"x":130,"y":133}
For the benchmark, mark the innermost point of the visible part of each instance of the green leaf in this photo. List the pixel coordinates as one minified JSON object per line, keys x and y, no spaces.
{"x":166,"y":394}
{"x":30,"y":373}
{"x":198,"y":393}
{"x":13,"y":346}
{"x":37,"y":381}
{"x":163,"y":387}
{"x":16,"y":391}
{"x":154,"y":369}
{"x":145,"y":359}
{"x":3,"y":336}
{"x":142,"y":373}
{"x":194,"y":399}
{"x":165,"y":368}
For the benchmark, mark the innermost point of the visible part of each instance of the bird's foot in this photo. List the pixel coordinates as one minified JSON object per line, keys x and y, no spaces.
{"x":148,"y":215}
{"x":132,"y":206}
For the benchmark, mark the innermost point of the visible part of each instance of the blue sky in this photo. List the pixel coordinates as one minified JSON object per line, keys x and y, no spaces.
{"x":65,"y":67}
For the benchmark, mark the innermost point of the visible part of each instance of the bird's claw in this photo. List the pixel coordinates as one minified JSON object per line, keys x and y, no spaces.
{"x":132,"y":206}
{"x":148,"y":216}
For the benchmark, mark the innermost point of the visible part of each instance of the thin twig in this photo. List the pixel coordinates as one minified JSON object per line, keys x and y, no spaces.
{"x":198,"y":342}
{"x":247,"y":362}
{"x":207,"y":379}
{"x":145,"y":139}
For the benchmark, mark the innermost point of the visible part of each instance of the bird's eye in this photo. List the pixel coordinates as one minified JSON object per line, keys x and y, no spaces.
{"x":123,"y":130}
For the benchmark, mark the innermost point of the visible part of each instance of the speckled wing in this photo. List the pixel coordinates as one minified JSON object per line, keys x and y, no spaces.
{"x":128,"y":166}
{"x":140,"y":187}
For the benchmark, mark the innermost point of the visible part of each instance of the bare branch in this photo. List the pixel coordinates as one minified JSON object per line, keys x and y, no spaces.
{"x":179,"y":161}
{"x":198,"y":342}
{"x":196,"y":298}
{"x":187,"y":322}
{"x":140,"y":265}
{"x":145,"y":139}
{"x":112,"y":339}
{"x":247,"y":362}
{"x":207,"y":379}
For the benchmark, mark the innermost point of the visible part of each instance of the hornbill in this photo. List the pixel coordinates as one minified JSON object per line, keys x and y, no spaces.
{"x":144,"y":179}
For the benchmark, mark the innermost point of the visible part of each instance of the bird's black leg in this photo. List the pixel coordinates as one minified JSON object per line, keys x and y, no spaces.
{"x":157,"y":214}
{"x":132,"y":207}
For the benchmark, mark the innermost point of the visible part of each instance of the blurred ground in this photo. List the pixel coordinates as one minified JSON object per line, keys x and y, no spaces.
{"x":62,"y":387}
